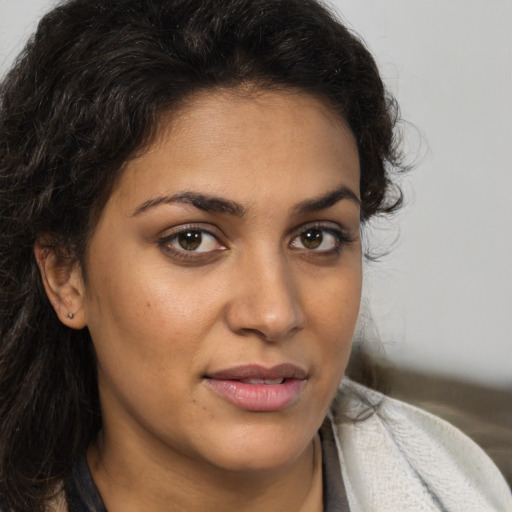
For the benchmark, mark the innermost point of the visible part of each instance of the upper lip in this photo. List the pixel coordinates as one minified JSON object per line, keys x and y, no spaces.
{"x":254,"y":371}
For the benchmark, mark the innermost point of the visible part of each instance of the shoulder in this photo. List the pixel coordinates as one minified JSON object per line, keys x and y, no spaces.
{"x":397,"y":457}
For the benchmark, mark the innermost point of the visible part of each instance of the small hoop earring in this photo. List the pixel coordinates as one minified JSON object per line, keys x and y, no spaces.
{"x":71,"y":316}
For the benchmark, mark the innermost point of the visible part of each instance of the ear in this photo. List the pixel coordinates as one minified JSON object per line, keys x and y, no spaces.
{"x":63,"y":283}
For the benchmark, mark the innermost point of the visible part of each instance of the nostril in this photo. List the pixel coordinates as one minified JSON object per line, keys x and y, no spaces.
{"x":270,"y":335}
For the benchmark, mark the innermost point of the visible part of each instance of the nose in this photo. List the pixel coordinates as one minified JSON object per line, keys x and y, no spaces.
{"x":266,"y":301}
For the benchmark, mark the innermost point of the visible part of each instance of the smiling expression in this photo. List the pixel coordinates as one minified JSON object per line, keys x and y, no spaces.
{"x":223,"y":282}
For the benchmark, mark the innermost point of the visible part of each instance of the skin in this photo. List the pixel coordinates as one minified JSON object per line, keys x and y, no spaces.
{"x":252,"y":292}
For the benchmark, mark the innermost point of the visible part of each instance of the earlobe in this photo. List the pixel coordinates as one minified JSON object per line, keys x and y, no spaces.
{"x":63,"y":283}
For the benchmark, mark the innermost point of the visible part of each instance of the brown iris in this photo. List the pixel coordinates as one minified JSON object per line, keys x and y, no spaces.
{"x":190,"y":240}
{"x":312,"y":238}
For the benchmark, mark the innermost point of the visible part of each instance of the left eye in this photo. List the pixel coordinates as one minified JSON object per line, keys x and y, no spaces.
{"x":194,"y":240}
{"x":316,"y":239}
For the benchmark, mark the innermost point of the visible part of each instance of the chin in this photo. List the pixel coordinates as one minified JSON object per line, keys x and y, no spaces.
{"x":253,"y":452}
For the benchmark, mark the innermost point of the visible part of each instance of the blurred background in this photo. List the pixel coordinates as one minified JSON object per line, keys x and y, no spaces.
{"x":437,"y":312}
{"x":437,"y":316}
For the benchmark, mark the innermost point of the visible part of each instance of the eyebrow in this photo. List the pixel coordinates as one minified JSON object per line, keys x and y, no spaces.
{"x":207,"y":203}
{"x":214,"y":204}
{"x":327,"y":200}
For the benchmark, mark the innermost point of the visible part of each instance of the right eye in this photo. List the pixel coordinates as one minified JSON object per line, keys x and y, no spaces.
{"x":190,"y":242}
{"x":194,"y":240}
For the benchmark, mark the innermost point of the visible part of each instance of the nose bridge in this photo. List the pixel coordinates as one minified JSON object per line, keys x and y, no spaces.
{"x":266,"y":301}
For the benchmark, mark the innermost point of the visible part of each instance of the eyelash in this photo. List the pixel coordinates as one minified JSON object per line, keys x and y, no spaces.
{"x":341,"y":238}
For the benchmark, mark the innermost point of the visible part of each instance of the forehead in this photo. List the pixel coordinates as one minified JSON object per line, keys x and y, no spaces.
{"x":219,"y":139}
{"x":246,"y":119}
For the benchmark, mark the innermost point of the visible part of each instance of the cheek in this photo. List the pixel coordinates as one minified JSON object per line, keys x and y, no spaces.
{"x":155,"y":320}
{"x":334,"y":301}
{"x":333,"y":312}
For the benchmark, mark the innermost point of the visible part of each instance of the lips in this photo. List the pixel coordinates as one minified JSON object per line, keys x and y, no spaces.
{"x":281,"y":371}
{"x":255,"y":388}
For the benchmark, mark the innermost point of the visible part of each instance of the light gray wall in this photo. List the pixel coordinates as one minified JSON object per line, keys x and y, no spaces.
{"x":442,"y":300}
{"x":17,"y":21}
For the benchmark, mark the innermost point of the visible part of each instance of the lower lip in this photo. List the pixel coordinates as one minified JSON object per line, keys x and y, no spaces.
{"x":258,"y":397}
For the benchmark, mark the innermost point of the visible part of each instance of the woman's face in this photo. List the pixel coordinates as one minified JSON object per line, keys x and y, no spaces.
{"x":223,"y":282}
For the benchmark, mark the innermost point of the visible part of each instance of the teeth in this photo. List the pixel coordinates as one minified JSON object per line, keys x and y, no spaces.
{"x":274,"y":381}
{"x":263,"y":381}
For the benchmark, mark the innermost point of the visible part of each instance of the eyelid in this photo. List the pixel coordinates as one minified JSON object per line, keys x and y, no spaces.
{"x":192,"y":226}
{"x":327,"y":225}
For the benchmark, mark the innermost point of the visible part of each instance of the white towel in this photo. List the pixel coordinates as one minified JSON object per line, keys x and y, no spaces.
{"x":402,"y":458}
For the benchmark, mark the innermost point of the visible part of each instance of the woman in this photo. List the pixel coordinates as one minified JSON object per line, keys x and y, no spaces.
{"x":183,"y":186}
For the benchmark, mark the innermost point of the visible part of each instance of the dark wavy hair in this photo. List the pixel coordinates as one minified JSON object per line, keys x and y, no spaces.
{"x":84,"y":96}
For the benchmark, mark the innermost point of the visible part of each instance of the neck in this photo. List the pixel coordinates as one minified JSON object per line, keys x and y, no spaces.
{"x":129,"y":481}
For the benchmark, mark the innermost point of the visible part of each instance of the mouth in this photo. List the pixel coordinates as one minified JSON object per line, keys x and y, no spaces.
{"x":255,"y":388}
